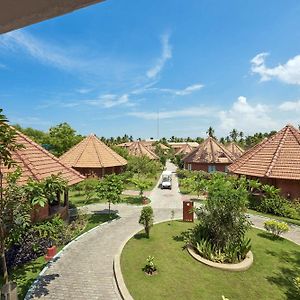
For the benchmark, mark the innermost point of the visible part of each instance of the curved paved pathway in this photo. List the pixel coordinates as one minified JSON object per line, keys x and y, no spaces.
{"x":85,"y":269}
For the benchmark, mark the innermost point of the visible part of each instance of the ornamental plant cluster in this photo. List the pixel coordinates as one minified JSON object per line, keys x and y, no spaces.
{"x":220,"y":234}
{"x":267,"y":199}
{"x":275,"y":227}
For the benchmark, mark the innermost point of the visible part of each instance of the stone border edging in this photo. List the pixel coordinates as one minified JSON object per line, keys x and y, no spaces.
{"x":125,"y":295}
{"x":29,"y":293}
{"x":241,"y":266}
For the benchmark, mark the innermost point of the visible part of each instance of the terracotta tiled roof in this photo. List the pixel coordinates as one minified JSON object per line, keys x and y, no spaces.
{"x":148,"y":144}
{"x":210,"y":151}
{"x":235,"y":149}
{"x":92,"y":153}
{"x":185,"y":149}
{"x":37,"y":163}
{"x":138,"y":149}
{"x":275,"y":157}
{"x":152,"y":145}
{"x":178,"y":145}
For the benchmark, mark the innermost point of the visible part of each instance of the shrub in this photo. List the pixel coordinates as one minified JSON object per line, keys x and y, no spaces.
{"x":296,"y":282}
{"x":146,"y":219}
{"x":276,"y":227}
{"x":220,"y":234}
{"x":150,"y":267}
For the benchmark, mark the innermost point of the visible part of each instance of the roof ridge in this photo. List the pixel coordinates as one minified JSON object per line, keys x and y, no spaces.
{"x":277,"y":151}
{"x":85,"y":143}
{"x":111,"y":151}
{"x":96,"y":149}
{"x":254,"y":150}
{"x":47,"y":153}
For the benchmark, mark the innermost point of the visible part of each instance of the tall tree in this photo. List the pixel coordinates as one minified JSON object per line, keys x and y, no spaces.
{"x":234,"y":135}
{"x":62,"y":137}
{"x":9,"y":196}
{"x":210,"y":132}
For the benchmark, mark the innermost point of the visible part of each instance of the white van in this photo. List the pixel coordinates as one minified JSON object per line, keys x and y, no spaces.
{"x":166,"y":180}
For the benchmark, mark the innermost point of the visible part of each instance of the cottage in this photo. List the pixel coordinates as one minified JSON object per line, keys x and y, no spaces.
{"x":274,"y":161}
{"x":37,"y":163}
{"x":209,"y":156}
{"x":93,"y":158}
{"x":184,"y":149}
{"x":139,"y":149}
{"x":235,"y":149}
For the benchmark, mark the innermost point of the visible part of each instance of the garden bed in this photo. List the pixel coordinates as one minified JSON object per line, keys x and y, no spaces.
{"x":179,"y":276}
{"x":241,"y":266}
{"x":27,"y":273}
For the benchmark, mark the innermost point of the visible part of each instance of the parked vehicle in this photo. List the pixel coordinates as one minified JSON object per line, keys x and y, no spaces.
{"x":166,"y":180}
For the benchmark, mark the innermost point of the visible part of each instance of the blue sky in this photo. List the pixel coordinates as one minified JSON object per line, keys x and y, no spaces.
{"x":109,"y":68}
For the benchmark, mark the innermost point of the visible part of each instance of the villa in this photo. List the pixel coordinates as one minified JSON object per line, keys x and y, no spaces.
{"x":37,"y":163}
{"x":209,"y":156}
{"x":139,"y":149}
{"x":92,"y":158}
{"x":274,"y":161}
{"x":235,"y":149}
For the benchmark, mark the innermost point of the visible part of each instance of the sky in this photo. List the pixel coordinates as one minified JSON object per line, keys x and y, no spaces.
{"x":114,"y":67}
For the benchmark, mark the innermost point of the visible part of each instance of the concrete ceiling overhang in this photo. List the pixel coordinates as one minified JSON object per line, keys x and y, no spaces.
{"x":15,"y":14}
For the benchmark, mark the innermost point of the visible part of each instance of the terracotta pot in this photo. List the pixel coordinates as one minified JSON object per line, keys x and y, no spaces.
{"x":51,"y":252}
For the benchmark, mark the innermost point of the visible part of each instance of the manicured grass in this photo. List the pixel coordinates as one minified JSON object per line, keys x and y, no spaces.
{"x":76,"y":199}
{"x":152,"y":179}
{"x":26,"y":274}
{"x":179,"y":276}
{"x":283,"y":219}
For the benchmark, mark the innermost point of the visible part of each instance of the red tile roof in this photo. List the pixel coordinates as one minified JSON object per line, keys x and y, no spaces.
{"x":275,"y":157}
{"x":139,"y":149}
{"x":92,"y":153}
{"x":37,"y":163}
{"x":209,"y":151}
{"x":235,"y":149}
{"x":185,"y":149}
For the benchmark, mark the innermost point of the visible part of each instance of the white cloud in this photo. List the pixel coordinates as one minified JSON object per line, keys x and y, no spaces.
{"x":44,"y":52}
{"x":196,"y":111}
{"x":165,"y":56}
{"x":290,"y":106}
{"x":177,"y":92}
{"x":84,"y":90}
{"x":288,"y":72}
{"x":110,"y":100}
{"x":186,"y":91}
{"x":246,"y":117}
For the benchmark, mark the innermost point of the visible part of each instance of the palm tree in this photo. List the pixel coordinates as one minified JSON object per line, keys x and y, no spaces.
{"x":211,"y":132}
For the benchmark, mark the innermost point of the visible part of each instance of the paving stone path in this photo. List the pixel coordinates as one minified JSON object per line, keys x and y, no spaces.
{"x":85,"y":268}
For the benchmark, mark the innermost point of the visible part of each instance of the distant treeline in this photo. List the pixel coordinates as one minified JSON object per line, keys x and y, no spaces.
{"x":60,"y":138}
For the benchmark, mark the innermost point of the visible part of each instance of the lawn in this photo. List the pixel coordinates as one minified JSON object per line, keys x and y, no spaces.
{"x":26,"y":274}
{"x":77,"y":199}
{"x":179,"y":276}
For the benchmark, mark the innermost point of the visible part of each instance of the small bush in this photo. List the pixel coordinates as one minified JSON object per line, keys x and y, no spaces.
{"x":146,"y":219}
{"x":276,"y":227}
{"x":150,"y":267}
{"x":296,"y":282}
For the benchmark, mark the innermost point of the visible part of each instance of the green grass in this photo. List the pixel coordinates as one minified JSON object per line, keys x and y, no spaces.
{"x":26,"y":274}
{"x":283,"y":219}
{"x":179,"y":276}
{"x":76,"y":199}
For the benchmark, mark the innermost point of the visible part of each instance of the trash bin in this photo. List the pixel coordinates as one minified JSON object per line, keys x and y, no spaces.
{"x":188,"y":211}
{"x":9,"y":291}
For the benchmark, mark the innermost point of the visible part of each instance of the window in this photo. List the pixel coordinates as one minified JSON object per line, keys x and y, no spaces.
{"x":190,"y":167}
{"x":226,"y":169}
{"x":211,"y":168}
